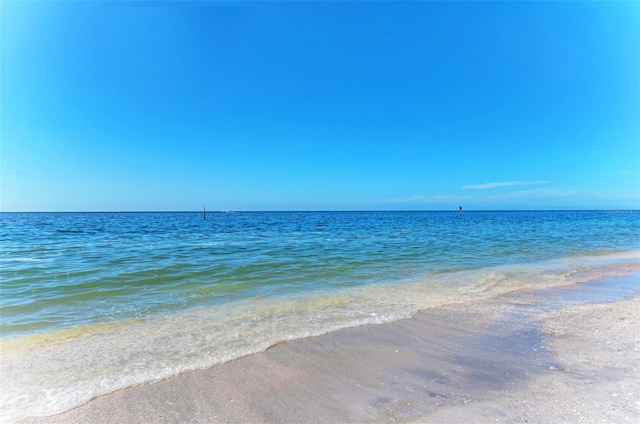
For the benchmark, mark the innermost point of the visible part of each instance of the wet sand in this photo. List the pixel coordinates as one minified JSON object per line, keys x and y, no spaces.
{"x":568,"y":354}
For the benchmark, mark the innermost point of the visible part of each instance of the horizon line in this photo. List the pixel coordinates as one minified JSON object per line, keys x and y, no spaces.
{"x":321,"y":210}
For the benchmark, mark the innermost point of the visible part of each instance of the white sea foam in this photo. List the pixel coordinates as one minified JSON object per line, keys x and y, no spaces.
{"x":54,"y":372}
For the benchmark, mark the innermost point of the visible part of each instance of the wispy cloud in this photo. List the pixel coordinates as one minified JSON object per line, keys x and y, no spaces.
{"x":486,"y":186}
{"x":625,"y":172}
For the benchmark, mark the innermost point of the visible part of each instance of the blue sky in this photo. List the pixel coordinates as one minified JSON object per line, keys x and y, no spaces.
{"x":319,"y":105}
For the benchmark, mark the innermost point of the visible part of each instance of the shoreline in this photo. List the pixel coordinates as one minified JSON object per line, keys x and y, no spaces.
{"x":494,"y":359}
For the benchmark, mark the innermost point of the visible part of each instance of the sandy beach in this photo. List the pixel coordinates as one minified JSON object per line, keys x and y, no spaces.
{"x":567,"y":354}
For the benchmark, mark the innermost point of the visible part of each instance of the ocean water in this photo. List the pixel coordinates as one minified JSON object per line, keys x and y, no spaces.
{"x":94,"y":302}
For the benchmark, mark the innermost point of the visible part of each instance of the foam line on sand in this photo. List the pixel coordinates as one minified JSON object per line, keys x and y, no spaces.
{"x":568,"y":354}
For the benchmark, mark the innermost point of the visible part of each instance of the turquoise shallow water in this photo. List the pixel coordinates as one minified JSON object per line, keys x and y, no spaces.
{"x":65,"y":270}
{"x":94,"y":302}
